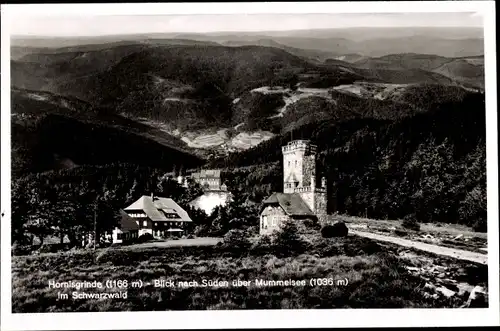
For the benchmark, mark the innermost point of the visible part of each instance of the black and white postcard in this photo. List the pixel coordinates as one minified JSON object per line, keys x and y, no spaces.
{"x":205,"y":165}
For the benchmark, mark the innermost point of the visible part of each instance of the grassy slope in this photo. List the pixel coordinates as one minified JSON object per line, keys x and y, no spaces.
{"x":375,"y":279}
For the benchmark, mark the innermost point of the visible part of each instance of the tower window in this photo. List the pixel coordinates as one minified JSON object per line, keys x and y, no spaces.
{"x":288,"y":163}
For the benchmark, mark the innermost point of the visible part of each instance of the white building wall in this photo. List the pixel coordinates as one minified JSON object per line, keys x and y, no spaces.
{"x":116,"y":231}
{"x":271,"y":219}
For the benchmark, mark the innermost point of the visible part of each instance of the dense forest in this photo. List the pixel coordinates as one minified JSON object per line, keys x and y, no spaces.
{"x":430,"y":167}
{"x":46,"y":141}
{"x":65,"y":203}
{"x":80,"y":143}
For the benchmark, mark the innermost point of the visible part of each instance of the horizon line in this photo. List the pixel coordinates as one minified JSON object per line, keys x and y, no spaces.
{"x":248,"y":31}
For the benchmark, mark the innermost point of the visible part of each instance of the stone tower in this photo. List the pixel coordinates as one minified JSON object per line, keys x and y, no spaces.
{"x":299,"y":175}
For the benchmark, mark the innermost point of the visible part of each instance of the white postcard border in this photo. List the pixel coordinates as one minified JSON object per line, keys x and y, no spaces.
{"x":259,"y":318}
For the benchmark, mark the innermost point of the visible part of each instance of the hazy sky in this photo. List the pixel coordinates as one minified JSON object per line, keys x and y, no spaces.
{"x":107,"y":25}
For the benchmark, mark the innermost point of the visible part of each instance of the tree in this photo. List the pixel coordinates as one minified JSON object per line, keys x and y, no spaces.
{"x":21,"y":209}
{"x":39,"y":218}
{"x":287,"y":241}
{"x":133,"y":192}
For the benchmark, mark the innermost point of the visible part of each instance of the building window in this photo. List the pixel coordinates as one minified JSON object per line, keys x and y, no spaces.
{"x":145,"y":223}
{"x":119,"y":236}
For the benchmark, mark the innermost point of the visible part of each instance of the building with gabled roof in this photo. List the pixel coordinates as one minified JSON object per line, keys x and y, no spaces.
{"x":157,"y":216}
{"x":209,"y":179}
{"x":302,"y":198}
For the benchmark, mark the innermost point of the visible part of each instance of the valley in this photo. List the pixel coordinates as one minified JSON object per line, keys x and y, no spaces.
{"x":397,"y":125}
{"x":211,"y":101}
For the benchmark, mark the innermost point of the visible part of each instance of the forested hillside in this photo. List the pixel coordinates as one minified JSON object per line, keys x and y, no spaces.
{"x":398,"y":136}
{"x":430,"y":166}
{"x":53,"y":132}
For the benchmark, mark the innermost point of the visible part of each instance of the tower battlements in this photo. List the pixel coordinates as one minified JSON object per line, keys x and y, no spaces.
{"x":299,"y":145}
{"x":309,"y":189}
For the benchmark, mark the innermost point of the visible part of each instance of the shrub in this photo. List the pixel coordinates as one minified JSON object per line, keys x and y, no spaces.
{"x":52,"y":248}
{"x":20,"y":250}
{"x":480,"y":226}
{"x":236,"y":241}
{"x":201,"y":230}
{"x":400,"y":231}
{"x":252,"y":231}
{"x":410,"y":223}
{"x":307,"y":226}
{"x":370,"y":247}
{"x":325,"y":247}
{"x":286,"y":241}
{"x":145,"y":237}
{"x":338,"y":229}
{"x":262,"y":246}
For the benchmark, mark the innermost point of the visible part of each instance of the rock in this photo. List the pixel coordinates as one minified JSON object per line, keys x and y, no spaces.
{"x":449,"y":285}
{"x":441,"y":275}
{"x":464,"y":287}
{"x":445,"y":291}
{"x":430,"y":286}
{"x":413,"y":268}
{"x":337,"y":229}
{"x":439,"y":268}
{"x":477,"y":298}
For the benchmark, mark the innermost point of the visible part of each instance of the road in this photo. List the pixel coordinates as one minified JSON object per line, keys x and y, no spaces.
{"x":440,"y":250}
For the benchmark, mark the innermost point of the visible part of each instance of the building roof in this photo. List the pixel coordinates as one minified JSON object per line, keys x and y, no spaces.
{"x":127,"y":223}
{"x":156,"y":209}
{"x":207,"y":173}
{"x":292,"y":204}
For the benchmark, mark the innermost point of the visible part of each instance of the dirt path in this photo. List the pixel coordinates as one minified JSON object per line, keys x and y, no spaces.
{"x":445,"y":251}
